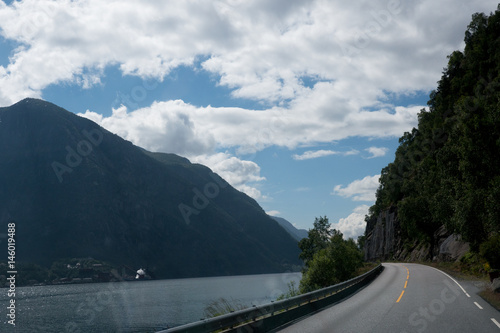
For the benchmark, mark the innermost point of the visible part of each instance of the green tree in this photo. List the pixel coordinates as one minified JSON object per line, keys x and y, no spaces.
{"x":490,"y":250}
{"x":317,"y":239}
{"x":336,"y":262}
{"x":320,"y":273}
{"x":445,"y":171}
{"x":361,"y":242}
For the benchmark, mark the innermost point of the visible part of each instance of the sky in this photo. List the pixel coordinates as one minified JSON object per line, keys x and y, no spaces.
{"x":297,"y":103}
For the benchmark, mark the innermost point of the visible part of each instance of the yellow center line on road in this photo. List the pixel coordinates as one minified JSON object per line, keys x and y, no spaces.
{"x":406,"y":283}
{"x":400,"y":296}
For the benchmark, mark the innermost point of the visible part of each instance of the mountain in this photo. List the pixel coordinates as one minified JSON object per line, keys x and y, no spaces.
{"x":445,"y":177}
{"x":297,"y":234}
{"x":75,"y":190}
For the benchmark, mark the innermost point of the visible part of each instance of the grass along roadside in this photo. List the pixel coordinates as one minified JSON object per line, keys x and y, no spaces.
{"x":367,"y":266}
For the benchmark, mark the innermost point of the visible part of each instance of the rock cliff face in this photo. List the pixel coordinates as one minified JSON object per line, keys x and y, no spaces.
{"x":384,"y":241}
{"x":382,"y":236}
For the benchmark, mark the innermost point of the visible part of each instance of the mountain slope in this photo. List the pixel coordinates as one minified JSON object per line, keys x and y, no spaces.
{"x":445,"y":174}
{"x":76,"y":190}
{"x":297,"y":234}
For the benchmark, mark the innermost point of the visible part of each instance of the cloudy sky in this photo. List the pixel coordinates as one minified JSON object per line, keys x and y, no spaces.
{"x":298,"y":103}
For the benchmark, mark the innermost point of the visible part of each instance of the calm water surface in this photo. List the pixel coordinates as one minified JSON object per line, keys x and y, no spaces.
{"x":146,"y":306}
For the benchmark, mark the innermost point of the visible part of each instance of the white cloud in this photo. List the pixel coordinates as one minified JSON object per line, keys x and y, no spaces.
{"x":239,"y":173}
{"x":273,"y":213}
{"x":321,"y":153}
{"x":259,"y":50}
{"x":165,"y":127}
{"x":178,"y":127}
{"x":354,"y":225}
{"x":377,"y":151}
{"x":359,"y":190}
{"x":354,"y":54}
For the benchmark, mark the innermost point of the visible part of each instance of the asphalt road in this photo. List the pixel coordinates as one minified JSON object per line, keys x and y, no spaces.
{"x":407,"y":298}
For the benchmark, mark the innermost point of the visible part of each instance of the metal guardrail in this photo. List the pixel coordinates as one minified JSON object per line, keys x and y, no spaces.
{"x":300,"y":305}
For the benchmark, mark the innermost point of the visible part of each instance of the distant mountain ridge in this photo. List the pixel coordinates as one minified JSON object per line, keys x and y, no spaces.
{"x":76,"y":190}
{"x":298,"y":234}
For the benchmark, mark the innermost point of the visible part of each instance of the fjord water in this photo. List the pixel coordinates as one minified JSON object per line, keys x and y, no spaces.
{"x":145,"y":306}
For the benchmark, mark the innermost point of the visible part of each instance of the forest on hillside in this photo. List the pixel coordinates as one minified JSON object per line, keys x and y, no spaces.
{"x":447,"y":170}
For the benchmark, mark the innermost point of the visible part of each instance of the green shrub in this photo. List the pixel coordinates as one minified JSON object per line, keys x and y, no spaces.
{"x":490,"y":250}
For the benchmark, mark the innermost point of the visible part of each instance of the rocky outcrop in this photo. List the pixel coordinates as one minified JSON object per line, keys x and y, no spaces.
{"x":384,"y":242}
{"x":452,"y":248}
{"x":383,"y":236}
{"x":495,"y":285}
